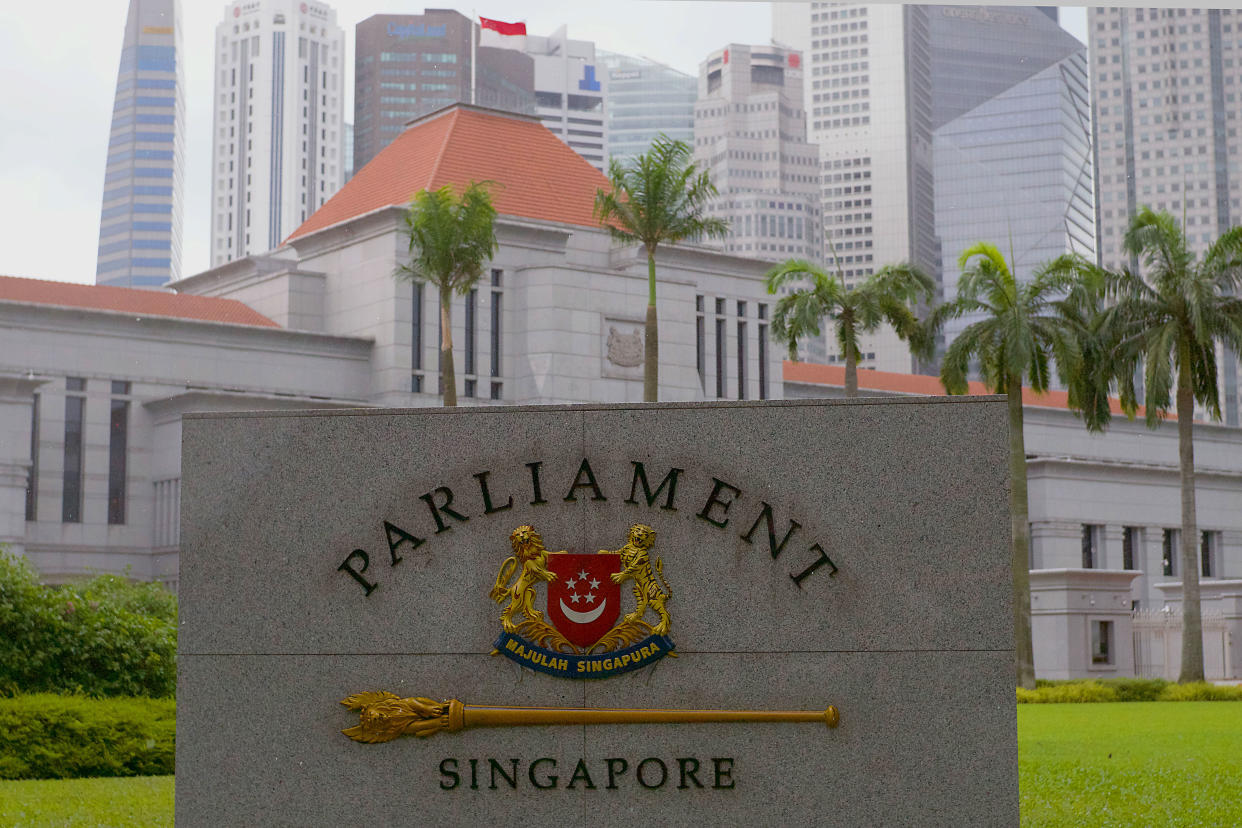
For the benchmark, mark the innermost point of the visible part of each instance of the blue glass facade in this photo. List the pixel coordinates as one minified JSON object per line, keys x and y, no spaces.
{"x":140,"y":218}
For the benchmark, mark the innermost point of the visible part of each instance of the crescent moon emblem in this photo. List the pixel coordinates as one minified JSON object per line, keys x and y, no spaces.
{"x":583,"y":617}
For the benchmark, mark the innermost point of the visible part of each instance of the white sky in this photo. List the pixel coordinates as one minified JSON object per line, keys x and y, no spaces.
{"x":58,"y":62}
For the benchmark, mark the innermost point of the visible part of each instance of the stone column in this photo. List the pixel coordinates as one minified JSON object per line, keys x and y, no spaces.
{"x":16,"y":406}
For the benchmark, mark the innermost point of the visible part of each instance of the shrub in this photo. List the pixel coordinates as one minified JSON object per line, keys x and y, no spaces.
{"x":1201,"y":691}
{"x":1136,"y":689}
{"x":46,"y":736}
{"x":102,"y":637}
{"x":1070,"y":691}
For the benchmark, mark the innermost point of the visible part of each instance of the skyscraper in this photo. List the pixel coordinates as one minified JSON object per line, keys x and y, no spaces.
{"x":140,"y":220}
{"x":1011,"y":150}
{"x":406,"y":65}
{"x":571,"y":94}
{"x":1164,"y":86}
{"x":646,"y":99}
{"x":278,"y":132}
{"x":750,"y":135}
{"x":882,"y":79}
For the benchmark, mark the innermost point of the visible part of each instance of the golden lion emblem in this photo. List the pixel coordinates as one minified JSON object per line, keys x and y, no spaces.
{"x":531,"y":556}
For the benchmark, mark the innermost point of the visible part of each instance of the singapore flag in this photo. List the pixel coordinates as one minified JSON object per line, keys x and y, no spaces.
{"x":501,"y":35}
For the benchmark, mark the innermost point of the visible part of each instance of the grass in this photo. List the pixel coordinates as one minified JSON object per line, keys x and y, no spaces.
{"x":1138,"y":763}
{"x":128,"y":802}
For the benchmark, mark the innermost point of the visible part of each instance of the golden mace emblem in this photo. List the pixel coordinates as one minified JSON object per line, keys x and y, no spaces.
{"x":384,"y":716}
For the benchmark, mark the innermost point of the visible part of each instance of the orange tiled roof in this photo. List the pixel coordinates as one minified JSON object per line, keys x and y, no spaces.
{"x":917,"y":384}
{"x":130,"y":300}
{"x":536,"y":175}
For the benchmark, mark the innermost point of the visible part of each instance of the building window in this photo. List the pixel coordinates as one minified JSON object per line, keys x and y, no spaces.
{"x":741,"y":357}
{"x":1101,"y":643}
{"x":1209,"y":543}
{"x":471,"y":300}
{"x":75,"y":410}
{"x":1091,"y":546}
{"x":496,"y":389}
{"x":700,"y":343}
{"x":1169,"y":545}
{"x":118,"y":442}
{"x":416,"y":341}
{"x":720,"y":358}
{"x":1130,"y":540}
{"x":497,"y":296}
{"x":32,"y":480}
{"x":763,"y":353}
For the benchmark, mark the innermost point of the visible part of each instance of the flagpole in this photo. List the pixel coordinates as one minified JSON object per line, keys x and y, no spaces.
{"x":474,"y":54}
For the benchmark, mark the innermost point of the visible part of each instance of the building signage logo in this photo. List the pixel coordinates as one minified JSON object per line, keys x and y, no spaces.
{"x":404,"y":31}
{"x":625,"y":74}
{"x":588,"y":82}
{"x":582,"y":632}
{"x":584,"y":638}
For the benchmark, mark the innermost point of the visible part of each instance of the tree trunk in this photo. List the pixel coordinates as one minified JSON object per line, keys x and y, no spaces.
{"x":1192,"y":618}
{"x":448,"y":379}
{"x":851,"y":374}
{"x":651,"y":347}
{"x":1020,"y":533}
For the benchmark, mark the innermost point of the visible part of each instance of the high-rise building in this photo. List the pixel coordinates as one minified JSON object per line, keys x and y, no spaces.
{"x":882,"y":79}
{"x":1014,"y":169}
{"x":278,"y":130}
{"x":406,"y":65}
{"x":140,"y":221}
{"x":347,"y":152}
{"x":646,"y":99}
{"x":571,"y":93}
{"x":750,"y":135}
{"x":1164,"y":88}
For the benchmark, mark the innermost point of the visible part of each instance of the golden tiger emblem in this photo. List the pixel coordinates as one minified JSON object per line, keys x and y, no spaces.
{"x":636,"y":566}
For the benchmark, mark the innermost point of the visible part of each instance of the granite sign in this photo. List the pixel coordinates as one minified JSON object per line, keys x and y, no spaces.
{"x":505,"y":586}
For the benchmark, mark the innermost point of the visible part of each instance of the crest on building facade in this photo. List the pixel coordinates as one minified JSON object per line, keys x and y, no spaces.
{"x":582,"y":632}
{"x":625,"y":350}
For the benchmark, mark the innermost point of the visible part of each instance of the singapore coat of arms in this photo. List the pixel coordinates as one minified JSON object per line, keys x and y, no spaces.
{"x":583,"y":633}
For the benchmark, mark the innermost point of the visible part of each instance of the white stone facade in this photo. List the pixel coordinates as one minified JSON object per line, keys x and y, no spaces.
{"x":571,"y":310}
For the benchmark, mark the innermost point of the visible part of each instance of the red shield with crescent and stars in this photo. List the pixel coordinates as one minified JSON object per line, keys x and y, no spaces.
{"x":583,"y":601}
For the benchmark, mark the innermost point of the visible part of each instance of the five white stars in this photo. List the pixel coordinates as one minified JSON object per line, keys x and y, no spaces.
{"x":573,"y":582}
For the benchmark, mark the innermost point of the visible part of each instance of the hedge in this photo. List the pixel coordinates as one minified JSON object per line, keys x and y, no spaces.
{"x":1124,"y":690}
{"x":102,"y":637}
{"x":46,"y":736}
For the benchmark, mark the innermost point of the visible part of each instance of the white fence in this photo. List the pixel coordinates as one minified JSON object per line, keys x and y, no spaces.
{"x":1158,"y":644}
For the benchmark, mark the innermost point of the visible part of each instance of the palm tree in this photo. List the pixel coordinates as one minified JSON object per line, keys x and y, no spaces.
{"x":1165,"y":323}
{"x":660,"y":197}
{"x":885,"y":296}
{"x":451,"y":238}
{"x":1024,"y":330}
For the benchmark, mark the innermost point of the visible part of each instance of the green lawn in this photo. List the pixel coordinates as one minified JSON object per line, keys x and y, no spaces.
{"x":133,"y":802}
{"x":1141,"y":763}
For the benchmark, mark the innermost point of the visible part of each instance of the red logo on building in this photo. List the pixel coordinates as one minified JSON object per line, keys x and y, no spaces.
{"x":237,"y":11}
{"x":726,"y":56}
{"x":795,"y":60}
{"x":303,"y":8}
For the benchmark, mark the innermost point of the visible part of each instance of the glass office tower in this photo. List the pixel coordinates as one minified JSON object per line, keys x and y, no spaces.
{"x":140,"y":221}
